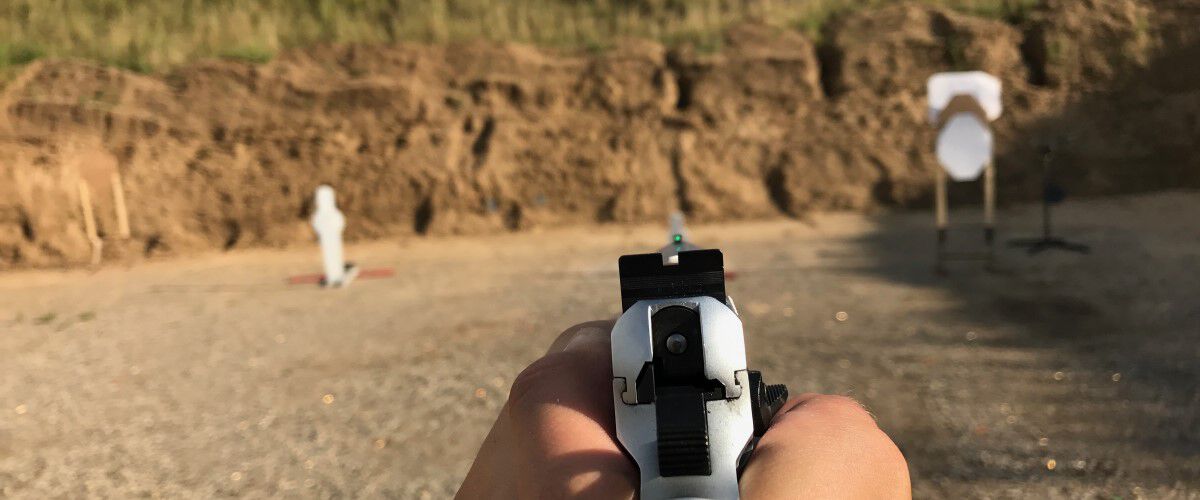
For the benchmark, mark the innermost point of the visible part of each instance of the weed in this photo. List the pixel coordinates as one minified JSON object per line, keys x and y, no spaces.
{"x":155,"y":35}
{"x":248,"y":53}
{"x":16,"y":54}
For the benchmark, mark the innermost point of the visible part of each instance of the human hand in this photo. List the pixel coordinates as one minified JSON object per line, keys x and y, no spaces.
{"x":555,"y":438}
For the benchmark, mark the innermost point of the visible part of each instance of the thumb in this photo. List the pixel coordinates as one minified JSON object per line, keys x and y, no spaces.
{"x":561,"y":414}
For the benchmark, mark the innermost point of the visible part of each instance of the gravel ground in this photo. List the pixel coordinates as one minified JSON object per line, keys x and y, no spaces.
{"x":1056,"y":376}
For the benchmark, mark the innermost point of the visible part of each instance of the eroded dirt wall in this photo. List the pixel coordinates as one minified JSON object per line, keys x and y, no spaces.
{"x":476,"y":138}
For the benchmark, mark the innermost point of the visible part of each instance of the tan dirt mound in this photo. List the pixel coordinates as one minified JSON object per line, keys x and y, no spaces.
{"x":478,"y":138}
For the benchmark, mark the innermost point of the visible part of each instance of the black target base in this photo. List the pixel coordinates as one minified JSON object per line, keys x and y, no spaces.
{"x":1037,"y":245}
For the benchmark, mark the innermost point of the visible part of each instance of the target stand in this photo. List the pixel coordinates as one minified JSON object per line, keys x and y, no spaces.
{"x":961,"y":104}
{"x":943,"y":220}
{"x":1052,"y":194}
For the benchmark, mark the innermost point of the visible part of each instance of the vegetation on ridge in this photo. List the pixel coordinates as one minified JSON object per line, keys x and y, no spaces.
{"x":150,"y":35}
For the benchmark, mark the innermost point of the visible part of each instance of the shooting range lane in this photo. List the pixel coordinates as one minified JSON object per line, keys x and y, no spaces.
{"x":210,"y":376}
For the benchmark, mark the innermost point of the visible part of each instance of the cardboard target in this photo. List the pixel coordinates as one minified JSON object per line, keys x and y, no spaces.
{"x":984,"y":88}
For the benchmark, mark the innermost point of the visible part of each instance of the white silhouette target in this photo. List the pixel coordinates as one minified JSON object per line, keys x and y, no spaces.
{"x":964,"y":147}
{"x":675,"y":225}
{"x":329,"y":222}
{"x":677,"y":240}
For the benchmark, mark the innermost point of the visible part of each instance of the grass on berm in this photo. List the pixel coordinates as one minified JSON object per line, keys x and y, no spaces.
{"x":154,"y":35}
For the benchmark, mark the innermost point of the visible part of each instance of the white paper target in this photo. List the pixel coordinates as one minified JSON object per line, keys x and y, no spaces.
{"x":964,"y":147}
{"x":677,"y":240}
{"x":985,"y":88}
{"x":329,"y":222}
{"x":675,"y":226}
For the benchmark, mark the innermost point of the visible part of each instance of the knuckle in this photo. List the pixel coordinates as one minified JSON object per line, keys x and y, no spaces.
{"x":585,"y":327}
{"x":582,"y":329}
{"x":541,"y":379}
{"x":844,"y":418}
{"x":840,"y":408}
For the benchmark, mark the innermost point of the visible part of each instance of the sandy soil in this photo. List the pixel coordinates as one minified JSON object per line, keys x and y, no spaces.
{"x":479,"y":138}
{"x":1057,"y":376}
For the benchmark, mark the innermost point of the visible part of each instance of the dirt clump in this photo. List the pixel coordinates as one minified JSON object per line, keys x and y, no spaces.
{"x":476,"y":138}
{"x":894,"y":50}
{"x":1087,"y":44}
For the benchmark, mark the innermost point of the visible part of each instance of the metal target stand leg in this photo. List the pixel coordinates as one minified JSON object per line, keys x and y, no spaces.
{"x":942,"y":215}
{"x":989,"y":213}
{"x":1049,"y":196}
{"x":940,"y":212}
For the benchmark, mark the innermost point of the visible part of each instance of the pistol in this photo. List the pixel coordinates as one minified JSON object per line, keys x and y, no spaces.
{"x":688,"y":411}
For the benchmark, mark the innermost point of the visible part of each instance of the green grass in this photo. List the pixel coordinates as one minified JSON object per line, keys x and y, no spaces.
{"x":151,"y":35}
{"x":248,"y":53}
{"x":19,"y":53}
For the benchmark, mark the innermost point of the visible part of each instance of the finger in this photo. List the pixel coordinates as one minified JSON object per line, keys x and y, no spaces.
{"x":578,"y":355}
{"x":822,"y":446}
{"x":592,"y":332}
{"x":795,"y":401}
{"x":561,"y":415}
{"x":492,"y":474}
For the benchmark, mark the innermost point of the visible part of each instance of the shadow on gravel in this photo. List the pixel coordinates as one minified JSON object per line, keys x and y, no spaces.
{"x":1093,"y":356}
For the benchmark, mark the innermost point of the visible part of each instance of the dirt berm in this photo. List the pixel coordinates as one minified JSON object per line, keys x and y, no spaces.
{"x":465,"y":138}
